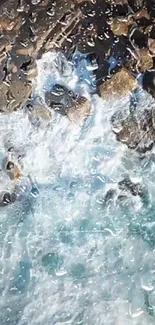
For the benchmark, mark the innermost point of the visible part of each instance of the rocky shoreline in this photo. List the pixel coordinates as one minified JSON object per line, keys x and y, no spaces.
{"x":122,"y":30}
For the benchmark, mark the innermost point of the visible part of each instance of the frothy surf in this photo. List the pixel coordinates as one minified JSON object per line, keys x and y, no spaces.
{"x":66,"y":258}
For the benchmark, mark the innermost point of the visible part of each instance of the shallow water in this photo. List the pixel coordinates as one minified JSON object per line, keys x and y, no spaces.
{"x":66,"y":258}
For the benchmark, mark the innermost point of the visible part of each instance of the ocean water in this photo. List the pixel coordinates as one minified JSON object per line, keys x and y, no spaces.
{"x":66,"y":257}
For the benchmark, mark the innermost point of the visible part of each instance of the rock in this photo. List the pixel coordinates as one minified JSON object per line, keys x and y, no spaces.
{"x":3,"y":97}
{"x":120,"y":25}
{"x":109,"y":196}
{"x":13,"y":96}
{"x":151,"y":46}
{"x":26,"y":28}
{"x":124,"y":190}
{"x":13,"y":170}
{"x":127,"y":185}
{"x":65,"y":102}
{"x":30,"y":28}
{"x":18,"y":94}
{"x":60,"y":99}
{"x":143,"y":61}
{"x":7,"y":198}
{"x":38,"y":114}
{"x":40,"y":111}
{"x":136,"y":130}
{"x":138,"y":38}
{"x":80,"y":111}
{"x":143,"y":13}
{"x":121,"y":84}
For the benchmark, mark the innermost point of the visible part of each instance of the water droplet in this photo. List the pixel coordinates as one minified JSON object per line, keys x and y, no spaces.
{"x":91,"y":41}
{"x":92,"y":13}
{"x":35,"y":2}
{"x":51,"y":12}
{"x":101,"y":37}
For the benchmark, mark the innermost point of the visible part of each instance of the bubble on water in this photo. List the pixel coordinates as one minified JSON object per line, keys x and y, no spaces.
{"x":76,"y":260}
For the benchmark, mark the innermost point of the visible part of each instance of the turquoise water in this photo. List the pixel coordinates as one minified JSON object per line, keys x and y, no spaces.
{"x":66,"y":257}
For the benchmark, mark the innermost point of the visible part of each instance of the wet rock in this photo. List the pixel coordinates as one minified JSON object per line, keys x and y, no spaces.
{"x":39,"y":111}
{"x":3,"y":97}
{"x":29,"y":29}
{"x":25,"y":29}
{"x":138,"y":38}
{"x":7,"y":198}
{"x":121,"y":84}
{"x":136,"y":130}
{"x":143,"y":13}
{"x":80,"y":111}
{"x":127,"y":185}
{"x":13,"y":170}
{"x":18,"y":94}
{"x":109,"y":196}
{"x":151,"y":46}
{"x":39,"y":115}
{"x":146,"y":61}
{"x":65,"y":102}
{"x":149,"y":82}
{"x":123,"y":192}
{"x":59,"y":99}
{"x":120,"y":25}
{"x":142,"y":61}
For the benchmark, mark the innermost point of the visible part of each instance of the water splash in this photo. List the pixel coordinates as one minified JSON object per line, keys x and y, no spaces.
{"x":66,"y":258}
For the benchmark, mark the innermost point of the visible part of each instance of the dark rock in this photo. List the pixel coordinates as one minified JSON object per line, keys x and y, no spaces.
{"x":127,"y":185}
{"x":30,"y":28}
{"x":136,"y":130}
{"x":7,"y":198}
{"x":65,"y":102}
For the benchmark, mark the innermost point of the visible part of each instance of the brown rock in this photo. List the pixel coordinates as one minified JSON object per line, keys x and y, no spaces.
{"x":80,"y":111}
{"x":120,"y":25}
{"x":13,"y":170}
{"x":3,"y":97}
{"x":14,"y":96}
{"x":143,"y":13}
{"x":151,"y":46}
{"x":136,"y":131}
{"x":119,"y":85}
{"x":40,"y":111}
{"x":18,"y":94}
{"x":143,"y":61}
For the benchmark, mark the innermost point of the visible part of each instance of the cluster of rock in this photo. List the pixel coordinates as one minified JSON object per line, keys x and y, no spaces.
{"x":125,"y":189}
{"x":29,"y":28}
{"x":121,"y":29}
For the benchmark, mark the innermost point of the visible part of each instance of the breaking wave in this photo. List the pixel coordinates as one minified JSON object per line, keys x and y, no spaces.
{"x":66,"y":257}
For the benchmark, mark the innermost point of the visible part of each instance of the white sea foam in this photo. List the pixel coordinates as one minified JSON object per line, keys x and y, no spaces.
{"x":65,"y":257}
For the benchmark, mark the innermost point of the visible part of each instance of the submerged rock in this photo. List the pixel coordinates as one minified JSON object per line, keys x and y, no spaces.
{"x":127,"y":185}
{"x":136,"y":130}
{"x":7,"y":198}
{"x":80,"y":111}
{"x":125,"y":189}
{"x":37,"y":113}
